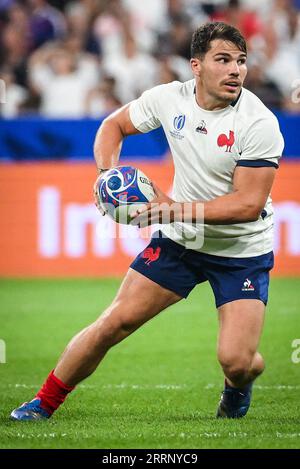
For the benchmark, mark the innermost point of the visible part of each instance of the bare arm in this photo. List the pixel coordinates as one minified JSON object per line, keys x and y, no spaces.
{"x":109,"y":138}
{"x":245,"y":204}
{"x":251,"y":187}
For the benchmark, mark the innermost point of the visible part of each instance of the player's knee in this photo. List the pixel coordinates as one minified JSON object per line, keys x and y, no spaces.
{"x":235,"y":366}
{"x":115,"y":324}
{"x":106,"y":328}
{"x":127,"y":316}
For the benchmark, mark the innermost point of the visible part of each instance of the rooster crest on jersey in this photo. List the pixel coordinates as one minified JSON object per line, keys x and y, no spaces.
{"x":223,"y":141}
{"x":121,"y":190}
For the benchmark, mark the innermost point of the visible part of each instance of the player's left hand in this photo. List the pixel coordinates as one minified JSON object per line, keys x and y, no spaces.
{"x":95,"y":193}
{"x":162,"y":209}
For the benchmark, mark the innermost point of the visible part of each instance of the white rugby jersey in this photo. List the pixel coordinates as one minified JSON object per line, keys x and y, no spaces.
{"x":206,"y":147}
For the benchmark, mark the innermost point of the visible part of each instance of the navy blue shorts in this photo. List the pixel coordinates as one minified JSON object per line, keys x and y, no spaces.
{"x":179,"y":269}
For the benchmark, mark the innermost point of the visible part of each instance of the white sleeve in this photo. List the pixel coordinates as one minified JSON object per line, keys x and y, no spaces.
{"x":262,"y":142}
{"x":144,"y":111}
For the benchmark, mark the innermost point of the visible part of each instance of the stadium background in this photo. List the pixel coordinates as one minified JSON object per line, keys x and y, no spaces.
{"x":64,"y":65}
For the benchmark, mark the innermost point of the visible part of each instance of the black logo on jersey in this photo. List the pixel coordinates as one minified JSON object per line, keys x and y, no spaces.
{"x":202,"y":128}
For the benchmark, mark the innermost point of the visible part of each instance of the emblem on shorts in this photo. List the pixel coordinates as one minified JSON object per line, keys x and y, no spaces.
{"x":151,"y":255}
{"x":224,"y":141}
{"x":202,"y":128}
{"x":248,"y":285}
{"x":178,"y":124}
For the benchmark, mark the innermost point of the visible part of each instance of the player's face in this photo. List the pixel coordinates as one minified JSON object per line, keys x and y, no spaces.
{"x":220,"y":74}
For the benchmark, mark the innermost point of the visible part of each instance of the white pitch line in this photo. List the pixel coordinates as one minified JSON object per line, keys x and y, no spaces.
{"x":176,"y":387}
{"x":40,"y":435}
{"x":107,"y":386}
{"x":144,"y":386}
{"x":277,"y":387}
{"x":185,"y":436}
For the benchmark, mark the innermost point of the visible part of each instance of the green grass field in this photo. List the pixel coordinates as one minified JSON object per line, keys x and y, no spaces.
{"x":157,"y":389}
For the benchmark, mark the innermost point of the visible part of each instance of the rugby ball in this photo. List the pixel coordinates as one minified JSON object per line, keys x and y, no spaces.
{"x":121,"y":190}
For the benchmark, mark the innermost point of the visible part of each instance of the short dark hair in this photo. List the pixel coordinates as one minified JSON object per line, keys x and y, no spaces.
{"x":208,"y":32}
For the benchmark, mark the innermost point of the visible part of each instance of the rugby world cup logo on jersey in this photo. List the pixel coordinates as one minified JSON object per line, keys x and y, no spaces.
{"x":178,"y":125}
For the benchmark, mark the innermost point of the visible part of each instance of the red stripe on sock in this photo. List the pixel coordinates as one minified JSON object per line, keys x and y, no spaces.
{"x":53,"y":393}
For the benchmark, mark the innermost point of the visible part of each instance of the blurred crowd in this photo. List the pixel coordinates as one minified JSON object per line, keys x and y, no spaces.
{"x":76,"y":58}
